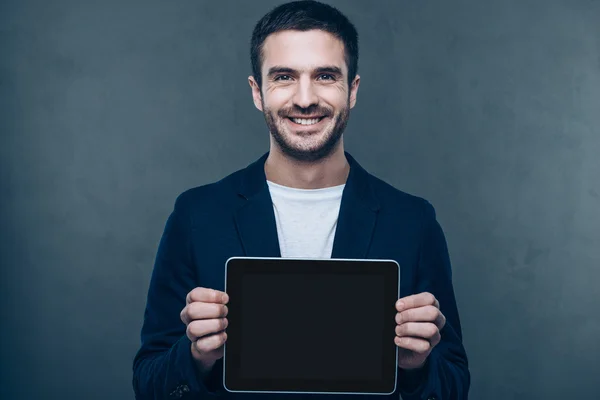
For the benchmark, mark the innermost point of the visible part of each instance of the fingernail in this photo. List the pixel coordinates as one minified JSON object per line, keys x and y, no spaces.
{"x":400,"y":304}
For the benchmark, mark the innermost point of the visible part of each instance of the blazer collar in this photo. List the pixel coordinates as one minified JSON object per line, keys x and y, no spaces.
{"x":256,"y":220}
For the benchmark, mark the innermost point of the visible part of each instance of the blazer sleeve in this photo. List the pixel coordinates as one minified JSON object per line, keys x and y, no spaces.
{"x":163,"y":367}
{"x":446,"y":373}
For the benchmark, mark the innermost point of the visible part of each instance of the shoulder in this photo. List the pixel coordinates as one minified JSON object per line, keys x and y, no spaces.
{"x":394,"y":199}
{"x":210,"y":195}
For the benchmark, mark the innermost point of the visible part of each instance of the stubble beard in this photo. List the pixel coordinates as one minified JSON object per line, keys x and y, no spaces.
{"x":330,"y":139}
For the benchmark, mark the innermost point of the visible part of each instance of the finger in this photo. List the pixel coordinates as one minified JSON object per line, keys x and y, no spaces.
{"x":211,"y":342}
{"x":417,"y":300}
{"x":206,"y":295}
{"x":425,"y":330}
{"x":417,"y":345}
{"x":440,"y":321}
{"x":435,"y":340}
{"x":204,"y":327}
{"x":421,"y":314}
{"x":194,"y":311}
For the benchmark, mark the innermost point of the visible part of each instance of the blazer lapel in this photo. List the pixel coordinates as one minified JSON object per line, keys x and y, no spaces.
{"x":255,"y":220}
{"x":357,"y":216}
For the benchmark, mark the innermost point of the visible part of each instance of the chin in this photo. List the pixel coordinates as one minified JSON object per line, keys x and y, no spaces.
{"x":314,"y":152}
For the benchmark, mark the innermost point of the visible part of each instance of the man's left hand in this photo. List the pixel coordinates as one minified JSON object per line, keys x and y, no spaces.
{"x":419,"y":322}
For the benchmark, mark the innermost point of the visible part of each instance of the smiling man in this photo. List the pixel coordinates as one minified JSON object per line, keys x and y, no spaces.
{"x":306,"y":197}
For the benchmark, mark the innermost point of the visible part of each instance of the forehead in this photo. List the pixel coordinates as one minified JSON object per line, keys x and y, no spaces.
{"x":303,"y":50}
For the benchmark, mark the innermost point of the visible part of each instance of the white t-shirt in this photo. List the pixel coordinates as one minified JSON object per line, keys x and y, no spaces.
{"x":306,"y":219}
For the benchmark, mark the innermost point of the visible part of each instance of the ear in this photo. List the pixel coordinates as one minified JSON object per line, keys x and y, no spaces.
{"x":256,"y":95}
{"x":354,"y":90}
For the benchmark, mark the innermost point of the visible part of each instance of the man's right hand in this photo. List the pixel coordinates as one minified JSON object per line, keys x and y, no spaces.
{"x":204,"y":315}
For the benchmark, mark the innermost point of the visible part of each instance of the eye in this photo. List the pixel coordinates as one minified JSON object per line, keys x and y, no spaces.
{"x":327,"y":77}
{"x":282,"y":77}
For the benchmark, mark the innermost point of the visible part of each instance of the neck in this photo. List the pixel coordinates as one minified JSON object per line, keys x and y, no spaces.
{"x":330,"y":171}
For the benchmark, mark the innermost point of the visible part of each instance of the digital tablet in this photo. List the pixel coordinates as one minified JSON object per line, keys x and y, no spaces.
{"x":311,"y":325}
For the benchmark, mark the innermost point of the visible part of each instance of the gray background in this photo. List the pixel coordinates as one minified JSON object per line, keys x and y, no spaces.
{"x":490,"y":109}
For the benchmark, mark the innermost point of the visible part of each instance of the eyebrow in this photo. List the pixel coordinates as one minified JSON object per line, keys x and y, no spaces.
{"x":330,"y":69}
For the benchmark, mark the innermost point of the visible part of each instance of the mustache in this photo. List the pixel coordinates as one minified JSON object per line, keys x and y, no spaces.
{"x":312,"y":110}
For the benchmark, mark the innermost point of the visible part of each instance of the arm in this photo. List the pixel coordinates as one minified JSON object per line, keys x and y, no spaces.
{"x":445,"y":375}
{"x":163,"y":367}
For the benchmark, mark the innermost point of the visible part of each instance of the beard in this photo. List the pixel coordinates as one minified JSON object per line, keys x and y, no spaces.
{"x":328,"y":138}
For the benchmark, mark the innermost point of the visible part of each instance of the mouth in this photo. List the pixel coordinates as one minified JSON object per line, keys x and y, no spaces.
{"x":304,"y":121}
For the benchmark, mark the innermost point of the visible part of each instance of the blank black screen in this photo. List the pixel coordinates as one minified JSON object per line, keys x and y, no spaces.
{"x":313,"y":326}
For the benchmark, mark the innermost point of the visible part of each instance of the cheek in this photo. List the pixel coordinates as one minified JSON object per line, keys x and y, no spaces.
{"x":276,"y":99}
{"x":335,"y":97}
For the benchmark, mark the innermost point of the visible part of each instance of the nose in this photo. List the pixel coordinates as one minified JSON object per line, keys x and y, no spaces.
{"x":305,"y":95}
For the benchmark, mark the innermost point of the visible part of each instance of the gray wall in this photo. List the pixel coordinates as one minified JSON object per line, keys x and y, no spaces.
{"x":489,"y":109}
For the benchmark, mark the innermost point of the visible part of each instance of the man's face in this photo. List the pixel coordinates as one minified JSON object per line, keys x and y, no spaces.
{"x":305,"y":96}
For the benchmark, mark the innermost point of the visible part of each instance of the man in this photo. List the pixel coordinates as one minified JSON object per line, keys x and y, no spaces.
{"x":306,"y":197}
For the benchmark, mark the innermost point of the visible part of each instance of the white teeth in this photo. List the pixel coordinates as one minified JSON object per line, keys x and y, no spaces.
{"x":305,"y":121}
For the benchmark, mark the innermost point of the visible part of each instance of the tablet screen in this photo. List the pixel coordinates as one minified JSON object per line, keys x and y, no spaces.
{"x":311,"y":325}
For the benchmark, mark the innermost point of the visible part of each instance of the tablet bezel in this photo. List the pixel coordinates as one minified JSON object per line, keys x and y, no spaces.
{"x":235,"y":384}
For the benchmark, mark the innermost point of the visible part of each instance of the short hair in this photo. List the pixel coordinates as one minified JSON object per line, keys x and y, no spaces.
{"x":305,"y":15}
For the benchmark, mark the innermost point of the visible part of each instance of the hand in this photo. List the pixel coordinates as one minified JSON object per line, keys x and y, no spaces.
{"x":204,"y":316}
{"x":419,"y":322}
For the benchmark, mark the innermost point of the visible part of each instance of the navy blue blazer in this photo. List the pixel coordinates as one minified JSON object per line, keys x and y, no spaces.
{"x":234,"y":217}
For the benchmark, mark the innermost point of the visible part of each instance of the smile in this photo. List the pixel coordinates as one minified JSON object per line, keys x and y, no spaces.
{"x":306,"y":121}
